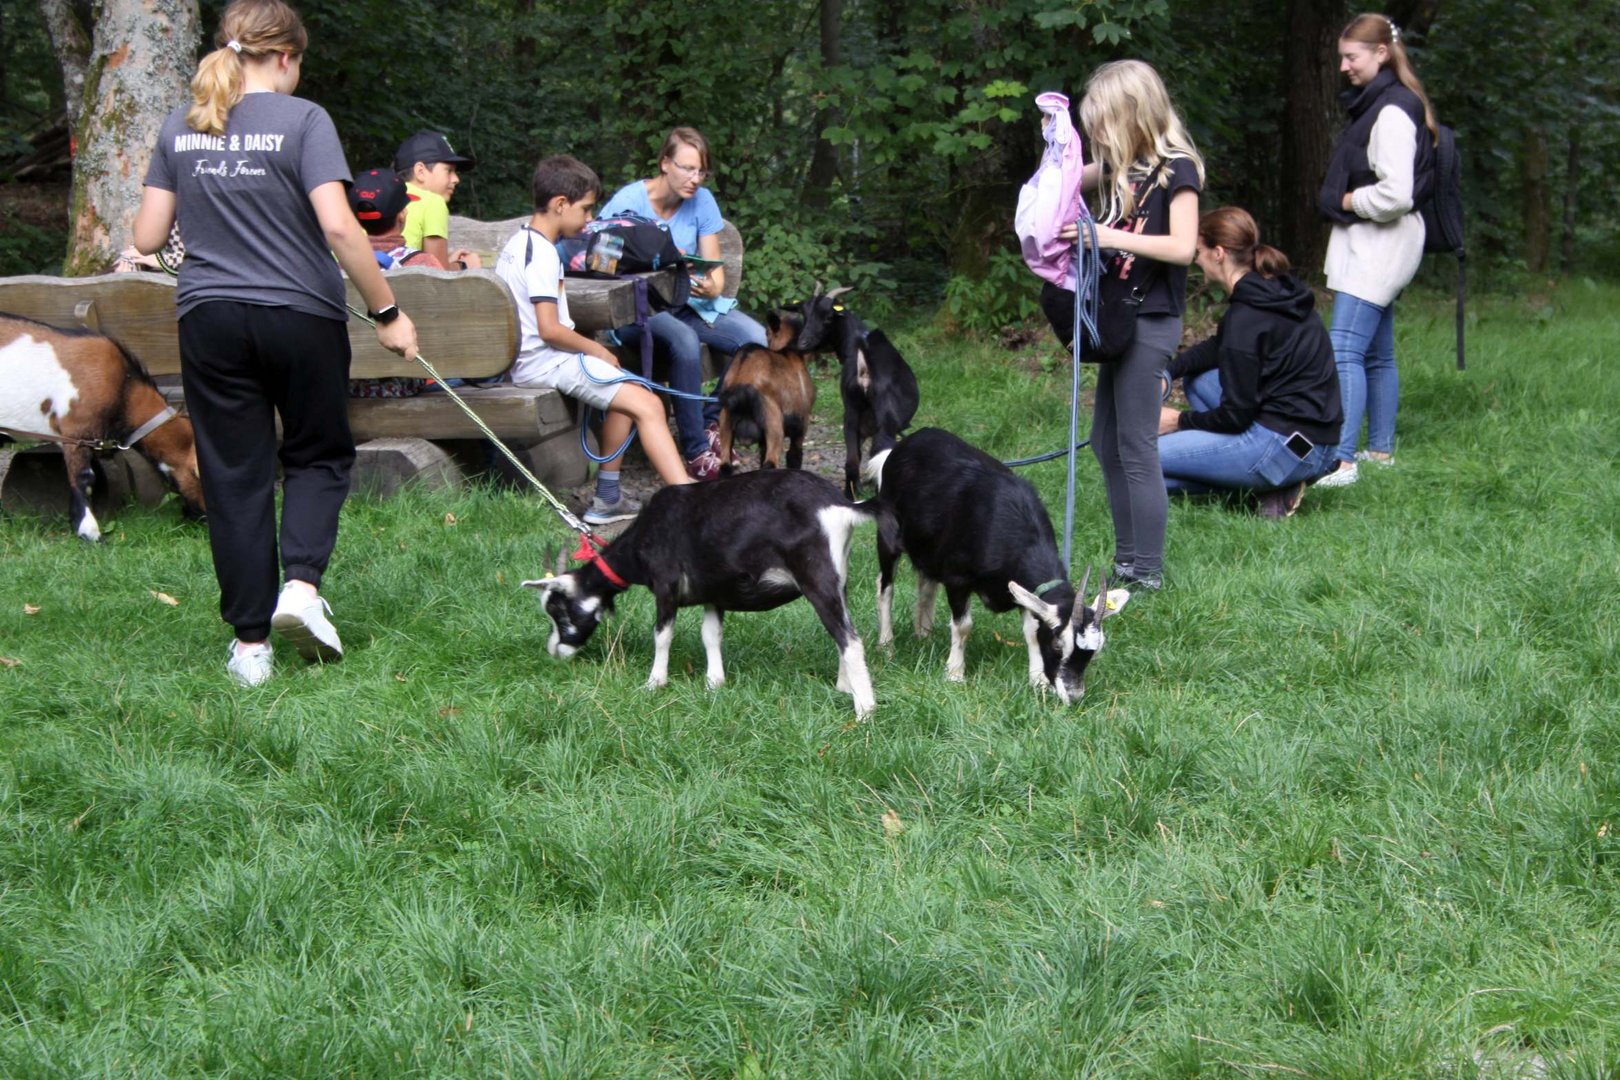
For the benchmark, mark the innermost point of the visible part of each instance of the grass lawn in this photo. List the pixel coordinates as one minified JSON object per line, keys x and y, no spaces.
{"x":1342,"y":800}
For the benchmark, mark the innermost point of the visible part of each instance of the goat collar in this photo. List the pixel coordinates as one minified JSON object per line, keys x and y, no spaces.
{"x":147,"y":428}
{"x":1043,"y":586}
{"x":587,"y":552}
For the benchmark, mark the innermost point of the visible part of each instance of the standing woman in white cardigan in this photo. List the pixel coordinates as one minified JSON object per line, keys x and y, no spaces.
{"x":1382,"y":169}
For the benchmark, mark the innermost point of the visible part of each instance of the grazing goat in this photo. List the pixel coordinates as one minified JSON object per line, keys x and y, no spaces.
{"x":766,"y":397}
{"x":748,"y":543}
{"x":877,"y":385}
{"x":968,"y":523}
{"x":80,"y":389}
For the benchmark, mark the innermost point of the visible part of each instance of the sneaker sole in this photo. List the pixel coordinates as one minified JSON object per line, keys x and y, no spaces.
{"x":607,"y":519}
{"x":298,"y":634}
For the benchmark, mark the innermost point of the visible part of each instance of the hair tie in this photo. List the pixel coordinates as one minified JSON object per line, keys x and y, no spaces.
{"x":236,"y":46}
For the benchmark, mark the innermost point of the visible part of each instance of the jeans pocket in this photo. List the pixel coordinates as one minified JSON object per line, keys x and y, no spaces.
{"x":1278,"y":465}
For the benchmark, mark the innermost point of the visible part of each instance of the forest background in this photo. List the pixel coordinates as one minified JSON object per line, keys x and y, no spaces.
{"x":873,"y":144}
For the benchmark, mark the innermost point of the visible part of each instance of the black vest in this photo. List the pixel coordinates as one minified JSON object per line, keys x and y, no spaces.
{"x":1349,"y":169}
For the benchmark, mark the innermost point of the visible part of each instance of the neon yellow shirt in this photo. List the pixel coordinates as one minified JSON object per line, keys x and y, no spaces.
{"x":427,"y":215}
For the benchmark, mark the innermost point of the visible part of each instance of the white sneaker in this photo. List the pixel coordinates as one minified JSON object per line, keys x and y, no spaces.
{"x":302,"y":620}
{"x":1343,"y":476}
{"x":249,"y":664}
{"x":1368,"y":455}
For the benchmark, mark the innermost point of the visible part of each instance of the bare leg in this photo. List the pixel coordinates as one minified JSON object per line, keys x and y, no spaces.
{"x":643,"y":407}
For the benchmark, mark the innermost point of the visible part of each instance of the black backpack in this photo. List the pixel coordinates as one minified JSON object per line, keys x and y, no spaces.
{"x":626,"y":243}
{"x":1443,"y":218}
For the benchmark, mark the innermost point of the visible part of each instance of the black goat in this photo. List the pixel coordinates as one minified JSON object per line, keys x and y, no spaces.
{"x":877,"y":385}
{"x":766,"y":397}
{"x":968,"y":523}
{"x":748,"y":543}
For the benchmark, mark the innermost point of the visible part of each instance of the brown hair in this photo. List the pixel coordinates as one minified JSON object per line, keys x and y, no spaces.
{"x":565,"y":175}
{"x":1233,"y":228}
{"x":1373,"y":30}
{"x":258,"y":28}
{"x":687,"y":136}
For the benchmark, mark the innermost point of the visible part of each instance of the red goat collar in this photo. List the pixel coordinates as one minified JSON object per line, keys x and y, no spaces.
{"x":587,"y":552}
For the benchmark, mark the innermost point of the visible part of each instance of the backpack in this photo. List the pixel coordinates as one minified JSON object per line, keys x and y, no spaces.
{"x":1051,"y":198}
{"x":626,"y":243}
{"x":1443,"y":218}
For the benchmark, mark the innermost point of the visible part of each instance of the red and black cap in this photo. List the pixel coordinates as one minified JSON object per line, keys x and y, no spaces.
{"x":377,"y":196}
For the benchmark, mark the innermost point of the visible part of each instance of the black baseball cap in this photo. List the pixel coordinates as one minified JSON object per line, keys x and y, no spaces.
{"x":430,"y":148}
{"x":377,"y":196}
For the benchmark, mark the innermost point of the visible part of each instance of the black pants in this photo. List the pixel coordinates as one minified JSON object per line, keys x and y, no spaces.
{"x":241,"y":364}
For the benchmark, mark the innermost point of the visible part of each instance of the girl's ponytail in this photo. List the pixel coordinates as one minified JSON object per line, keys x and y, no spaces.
{"x":1233,"y":228}
{"x":215,"y":89}
{"x":248,"y":30}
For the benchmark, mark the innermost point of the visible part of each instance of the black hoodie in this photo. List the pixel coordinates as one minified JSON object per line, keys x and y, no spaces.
{"x":1275,"y":360}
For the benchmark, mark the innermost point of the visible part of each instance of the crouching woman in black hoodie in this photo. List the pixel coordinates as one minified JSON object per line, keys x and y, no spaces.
{"x":1264,"y":390}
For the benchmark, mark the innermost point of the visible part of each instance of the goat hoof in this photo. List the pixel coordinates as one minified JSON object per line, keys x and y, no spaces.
{"x":657,"y":684}
{"x":715,"y":684}
{"x":955,"y":676}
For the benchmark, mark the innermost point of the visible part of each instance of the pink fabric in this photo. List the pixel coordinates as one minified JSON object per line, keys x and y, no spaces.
{"x":1051,"y":198}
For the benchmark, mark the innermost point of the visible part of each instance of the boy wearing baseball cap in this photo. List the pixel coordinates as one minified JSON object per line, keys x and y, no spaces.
{"x":431,"y":169}
{"x":378,"y":200}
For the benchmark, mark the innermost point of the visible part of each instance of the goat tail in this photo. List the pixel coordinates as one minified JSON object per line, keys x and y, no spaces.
{"x":741,"y":402}
{"x":872,"y":471}
{"x":888,"y":525}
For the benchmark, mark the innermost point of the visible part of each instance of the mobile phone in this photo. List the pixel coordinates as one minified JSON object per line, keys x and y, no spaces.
{"x":1299,"y":445}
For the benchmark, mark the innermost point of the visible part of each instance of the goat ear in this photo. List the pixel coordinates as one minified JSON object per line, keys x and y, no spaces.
{"x":774,"y":321}
{"x":541,"y":585}
{"x":1110,"y":602}
{"x":834,"y":294}
{"x":1047,"y":613}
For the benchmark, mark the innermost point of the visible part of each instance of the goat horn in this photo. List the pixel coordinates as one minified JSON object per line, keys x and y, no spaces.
{"x":834,"y":294}
{"x":817,"y":290}
{"x":562,"y":560}
{"x":1084,"y":581}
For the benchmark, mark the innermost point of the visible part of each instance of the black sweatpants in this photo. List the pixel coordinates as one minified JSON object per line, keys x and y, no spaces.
{"x":241,"y":364}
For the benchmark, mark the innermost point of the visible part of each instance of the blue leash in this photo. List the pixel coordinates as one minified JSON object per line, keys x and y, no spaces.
{"x":1088,"y":273}
{"x":627,"y":377}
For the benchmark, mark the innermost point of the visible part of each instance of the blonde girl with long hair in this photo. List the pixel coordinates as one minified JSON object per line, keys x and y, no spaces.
{"x":1382,"y":168}
{"x":257,"y":180}
{"x":1146,"y":175}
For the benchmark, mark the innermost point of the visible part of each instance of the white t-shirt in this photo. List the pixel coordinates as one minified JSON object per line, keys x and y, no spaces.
{"x":531,"y":268}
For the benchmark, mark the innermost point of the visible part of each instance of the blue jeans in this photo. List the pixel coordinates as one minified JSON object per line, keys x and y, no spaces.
{"x":679,"y":337}
{"x":1364,"y":350}
{"x":1257,"y":459}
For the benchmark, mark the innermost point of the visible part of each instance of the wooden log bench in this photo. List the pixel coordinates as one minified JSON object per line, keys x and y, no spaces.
{"x":466,"y":324}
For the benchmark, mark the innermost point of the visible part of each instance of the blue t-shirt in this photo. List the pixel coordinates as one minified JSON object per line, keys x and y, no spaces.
{"x":697,"y":217}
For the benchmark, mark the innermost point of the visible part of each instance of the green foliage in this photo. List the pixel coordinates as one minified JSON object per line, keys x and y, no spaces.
{"x":27,"y":247}
{"x":1006,"y":294}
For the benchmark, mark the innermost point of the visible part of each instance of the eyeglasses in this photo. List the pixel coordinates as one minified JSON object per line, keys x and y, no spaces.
{"x":696,"y":172}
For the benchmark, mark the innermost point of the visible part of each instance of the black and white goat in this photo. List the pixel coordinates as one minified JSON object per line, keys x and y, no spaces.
{"x":878,"y":386}
{"x":752,"y":542}
{"x":967,"y":522}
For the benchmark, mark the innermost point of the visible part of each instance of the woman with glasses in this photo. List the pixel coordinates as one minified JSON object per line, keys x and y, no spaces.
{"x":677,"y":197}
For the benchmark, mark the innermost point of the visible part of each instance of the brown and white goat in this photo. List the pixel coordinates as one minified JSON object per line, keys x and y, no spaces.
{"x":767,"y":395}
{"x":80,"y":388}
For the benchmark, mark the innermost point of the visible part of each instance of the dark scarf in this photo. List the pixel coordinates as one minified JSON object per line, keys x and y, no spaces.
{"x":1349,"y":168}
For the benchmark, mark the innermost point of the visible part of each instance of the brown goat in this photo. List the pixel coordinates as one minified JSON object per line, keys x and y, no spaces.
{"x":79,"y":388}
{"x":766,"y":397}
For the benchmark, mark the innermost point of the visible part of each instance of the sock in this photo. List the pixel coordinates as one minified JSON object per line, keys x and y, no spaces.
{"x":607,"y":485}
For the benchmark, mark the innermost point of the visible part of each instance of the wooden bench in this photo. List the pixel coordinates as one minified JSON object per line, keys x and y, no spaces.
{"x":466,"y":324}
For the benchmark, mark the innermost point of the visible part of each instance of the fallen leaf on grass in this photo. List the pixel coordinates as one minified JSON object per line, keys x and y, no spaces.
{"x":30,"y":609}
{"x":399,"y":676}
{"x":165,"y":597}
{"x":7,"y":661}
{"x":892,"y":825}
{"x":449,"y":519}
{"x":448,"y":711}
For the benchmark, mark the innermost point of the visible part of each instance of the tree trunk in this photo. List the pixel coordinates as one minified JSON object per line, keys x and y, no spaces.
{"x":824,"y":160}
{"x":1537,"y":204}
{"x":1572,"y":191}
{"x":1311,"y":121}
{"x":138,"y":69}
{"x":71,"y":43}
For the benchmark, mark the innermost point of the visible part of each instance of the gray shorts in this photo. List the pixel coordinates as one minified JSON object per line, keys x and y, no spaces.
{"x":595,"y":383}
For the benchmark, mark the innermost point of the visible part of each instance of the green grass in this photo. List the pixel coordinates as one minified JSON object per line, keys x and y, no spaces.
{"x":1342,"y":800}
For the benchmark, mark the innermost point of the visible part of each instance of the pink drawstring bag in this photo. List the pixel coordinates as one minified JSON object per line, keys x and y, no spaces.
{"x":1051,"y":198}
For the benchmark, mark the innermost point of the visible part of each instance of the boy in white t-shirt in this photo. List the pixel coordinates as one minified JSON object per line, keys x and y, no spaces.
{"x":552,"y":353}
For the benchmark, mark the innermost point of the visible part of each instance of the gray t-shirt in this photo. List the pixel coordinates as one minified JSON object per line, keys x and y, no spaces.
{"x":242,"y":200}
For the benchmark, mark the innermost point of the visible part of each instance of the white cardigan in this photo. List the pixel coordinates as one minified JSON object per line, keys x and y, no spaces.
{"x":1374,"y":259}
